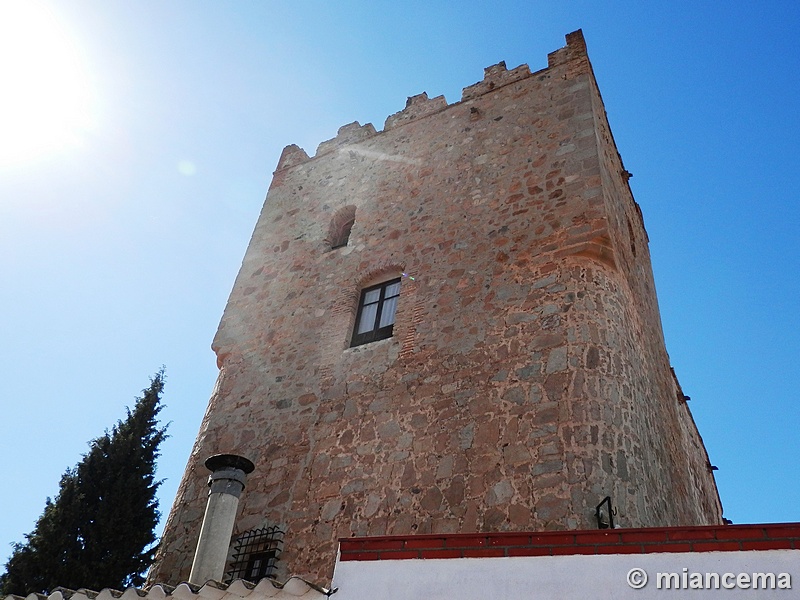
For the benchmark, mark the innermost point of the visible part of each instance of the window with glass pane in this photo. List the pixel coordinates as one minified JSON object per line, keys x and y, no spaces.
{"x":375,"y":318}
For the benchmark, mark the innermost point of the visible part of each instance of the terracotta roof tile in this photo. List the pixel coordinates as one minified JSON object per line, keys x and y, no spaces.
{"x":292,"y":589}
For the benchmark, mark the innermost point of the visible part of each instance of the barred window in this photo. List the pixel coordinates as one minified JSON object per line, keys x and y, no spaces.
{"x":255,"y":553}
{"x":376,"y":310}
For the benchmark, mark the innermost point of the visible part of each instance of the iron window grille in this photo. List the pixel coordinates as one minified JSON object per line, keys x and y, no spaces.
{"x":255,"y":553}
{"x":376,"y":311}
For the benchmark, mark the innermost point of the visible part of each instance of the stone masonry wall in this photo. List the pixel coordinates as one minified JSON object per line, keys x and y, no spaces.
{"x":526,"y":378}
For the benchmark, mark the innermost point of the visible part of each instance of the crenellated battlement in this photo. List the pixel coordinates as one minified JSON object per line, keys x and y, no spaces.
{"x":292,"y":155}
{"x":348,"y":134}
{"x":575,"y":50}
{"x":420,"y":106}
{"x":494,"y":77}
{"x":416,"y":107}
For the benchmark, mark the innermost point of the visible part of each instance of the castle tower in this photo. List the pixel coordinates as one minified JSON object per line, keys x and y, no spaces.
{"x":449,"y":325}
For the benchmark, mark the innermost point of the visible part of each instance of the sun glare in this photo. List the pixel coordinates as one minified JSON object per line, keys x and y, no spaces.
{"x":46,"y":100}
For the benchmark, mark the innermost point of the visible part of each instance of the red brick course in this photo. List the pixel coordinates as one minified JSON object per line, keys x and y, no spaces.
{"x":724,"y":538}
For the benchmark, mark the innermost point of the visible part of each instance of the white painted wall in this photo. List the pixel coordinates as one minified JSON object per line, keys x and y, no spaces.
{"x":558,"y":577}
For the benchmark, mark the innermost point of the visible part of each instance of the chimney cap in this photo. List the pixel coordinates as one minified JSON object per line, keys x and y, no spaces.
{"x":229,"y":461}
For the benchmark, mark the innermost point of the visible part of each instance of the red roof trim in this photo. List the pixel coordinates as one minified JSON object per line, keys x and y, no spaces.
{"x":724,"y":538}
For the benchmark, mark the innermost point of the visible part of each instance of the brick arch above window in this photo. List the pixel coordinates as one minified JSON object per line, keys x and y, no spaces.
{"x":340,"y":226}
{"x":379,"y":273}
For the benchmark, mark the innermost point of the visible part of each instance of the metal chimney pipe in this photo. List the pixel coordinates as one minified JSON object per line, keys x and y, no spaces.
{"x":226,"y":482}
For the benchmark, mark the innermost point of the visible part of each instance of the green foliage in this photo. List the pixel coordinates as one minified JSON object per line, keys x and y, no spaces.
{"x":99,"y":531}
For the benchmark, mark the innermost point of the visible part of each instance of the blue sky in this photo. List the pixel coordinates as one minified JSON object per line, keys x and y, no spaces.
{"x":124,"y":220}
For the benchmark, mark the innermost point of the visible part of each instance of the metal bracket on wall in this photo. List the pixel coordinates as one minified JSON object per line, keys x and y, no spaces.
{"x":605,"y":514}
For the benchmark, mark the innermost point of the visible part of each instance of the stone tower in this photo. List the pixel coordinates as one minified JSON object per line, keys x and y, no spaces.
{"x":449,"y":325}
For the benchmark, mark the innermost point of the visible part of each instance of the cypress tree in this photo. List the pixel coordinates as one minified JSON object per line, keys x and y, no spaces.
{"x":99,"y":531}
